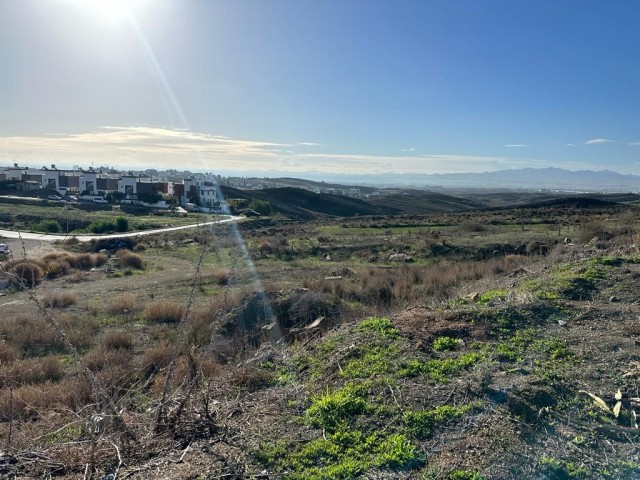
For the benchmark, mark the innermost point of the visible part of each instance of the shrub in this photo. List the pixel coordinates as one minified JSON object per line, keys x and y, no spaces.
{"x":57,"y":268}
{"x":164,"y":312}
{"x":102,"y":227}
{"x":122,"y":224}
{"x":222,"y":276}
{"x":27,"y":273}
{"x":263,"y":207}
{"x":59,"y":300}
{"x":8,"y":353}
{"x":130,"y":259}
{"x":48,"y":226}
{"x":122,"y":304}
{"x":157,"y":357}
{"x":117,"y":339}
{"x":31,"y":371}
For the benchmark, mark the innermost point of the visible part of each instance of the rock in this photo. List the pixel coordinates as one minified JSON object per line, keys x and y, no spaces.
{"x":400,"y":257}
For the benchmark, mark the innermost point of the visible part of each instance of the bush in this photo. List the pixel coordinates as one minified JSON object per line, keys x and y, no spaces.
{"x":27,"y":273}
{"x":59,"y":300}
{"x":102,"y":227}
{"x":122,"y":224}
{"x":222,"y":276}
{"x":48,"y":226}
{"x":263,"y":207}
{"x":130,"y":259}
{"x":164,"y":312}
{"x":117,"y":339}
{"x":123,"y":304}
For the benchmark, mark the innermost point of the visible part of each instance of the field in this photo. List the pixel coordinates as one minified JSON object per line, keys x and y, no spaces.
{"x":481,"y":343}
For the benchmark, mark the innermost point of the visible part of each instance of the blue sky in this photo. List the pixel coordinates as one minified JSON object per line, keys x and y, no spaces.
{"x":355,"y":86}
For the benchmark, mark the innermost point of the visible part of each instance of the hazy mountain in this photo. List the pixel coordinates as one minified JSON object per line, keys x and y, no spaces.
{"x":525,"y":178}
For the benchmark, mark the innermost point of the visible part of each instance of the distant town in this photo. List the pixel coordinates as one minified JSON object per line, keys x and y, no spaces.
{"x":160,"y":189}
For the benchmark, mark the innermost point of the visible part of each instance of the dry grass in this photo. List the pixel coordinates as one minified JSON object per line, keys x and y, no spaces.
{"x":130,"y":259}
{"x":31,"y":371}
{"x":222,"y":276}
{"x":29,"y":335}
{"x":59,"y":300}
{"x":25,"y":273}
{"x":164,"y":312}
{"x":30,"y":402}
{"x":117,"y":339}
{"x":157,"y":357}
{"x":122,"y":304}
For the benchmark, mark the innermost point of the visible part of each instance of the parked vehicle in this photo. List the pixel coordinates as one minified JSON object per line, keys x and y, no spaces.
{"x":4,"y":250}
{"x":55,"y":197}
{"x":99,"y":200}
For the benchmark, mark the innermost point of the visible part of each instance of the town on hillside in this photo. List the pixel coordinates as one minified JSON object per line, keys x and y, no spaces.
{"x":197,"y":192}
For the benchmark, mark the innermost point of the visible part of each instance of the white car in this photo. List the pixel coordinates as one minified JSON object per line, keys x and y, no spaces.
{"x":4,"y":249}
{"x":99,"y":200}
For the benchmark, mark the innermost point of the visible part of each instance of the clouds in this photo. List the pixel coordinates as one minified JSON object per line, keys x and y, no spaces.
{"x":598,"y":141}
{"x":129,"y":147}
{"x":517,"y":145}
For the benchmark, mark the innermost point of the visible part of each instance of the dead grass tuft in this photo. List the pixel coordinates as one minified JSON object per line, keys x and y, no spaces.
{"x":164,"y":312}
{"x":31,"y":371}
{"x":130,"y":259}
{"x":222,"y":276}
{"x":122,"y":304}
{"x":117,"y":339}
{"x":59,"y":300}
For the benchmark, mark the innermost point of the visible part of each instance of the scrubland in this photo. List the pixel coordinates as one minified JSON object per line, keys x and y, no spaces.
{"x":498,"y":344}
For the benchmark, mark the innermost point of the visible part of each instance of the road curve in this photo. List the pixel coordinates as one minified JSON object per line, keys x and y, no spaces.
{"x":86,"y":238}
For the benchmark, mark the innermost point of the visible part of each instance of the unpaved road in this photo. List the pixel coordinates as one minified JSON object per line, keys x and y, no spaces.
{"x":86,"y":238}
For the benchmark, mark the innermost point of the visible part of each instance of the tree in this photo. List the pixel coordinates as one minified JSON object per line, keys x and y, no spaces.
{"x":263,"y":207}
{"x":149,"y":197}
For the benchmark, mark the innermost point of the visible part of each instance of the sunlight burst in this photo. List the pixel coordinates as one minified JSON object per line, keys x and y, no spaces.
{"x":111,"y":11}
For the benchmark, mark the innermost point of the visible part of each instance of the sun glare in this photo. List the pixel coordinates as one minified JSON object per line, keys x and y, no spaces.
{"x":112,"y":11}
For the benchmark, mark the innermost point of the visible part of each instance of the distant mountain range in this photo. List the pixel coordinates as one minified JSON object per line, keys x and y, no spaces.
{"x":524,"y":178}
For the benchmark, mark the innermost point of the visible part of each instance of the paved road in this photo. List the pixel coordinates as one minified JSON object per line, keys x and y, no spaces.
{"x":85,"y":238}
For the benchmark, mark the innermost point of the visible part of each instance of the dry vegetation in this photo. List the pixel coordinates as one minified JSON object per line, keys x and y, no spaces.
{"x":442,"y":347}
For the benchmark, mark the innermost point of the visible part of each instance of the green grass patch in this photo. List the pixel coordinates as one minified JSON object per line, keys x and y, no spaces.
{"x":443,"y":344}
{"x":422,"y":423}
{"x":381,"y":326}
{"x":331,"y":409}
{"x":342,"y":455}
{"x":560,"y":470}
{"x":486,"y":297}
{"x":440,"y":370}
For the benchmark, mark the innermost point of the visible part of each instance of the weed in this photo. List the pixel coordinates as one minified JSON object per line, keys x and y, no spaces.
{"x":375,"y":360}
{"x":421,"y":423}
{"x":380,"y":326}
{"x":464,"y":475}
{"x":440,"y":370}
{"x":487,"y":297}
{"x":331,"y":409}
{"x":561,"y":470}
{"x":343,"y":455}
{"x":442,"y":344}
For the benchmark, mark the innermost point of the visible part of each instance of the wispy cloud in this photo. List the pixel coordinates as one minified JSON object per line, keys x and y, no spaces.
{"x":309,"y":144}
{"x":634,"y":143}
{"x":571,"y":145}
{"x":158,"y":147}
{"x":408,"y":150}
{"x":517,"y":145}
{"x":598,"y":141}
